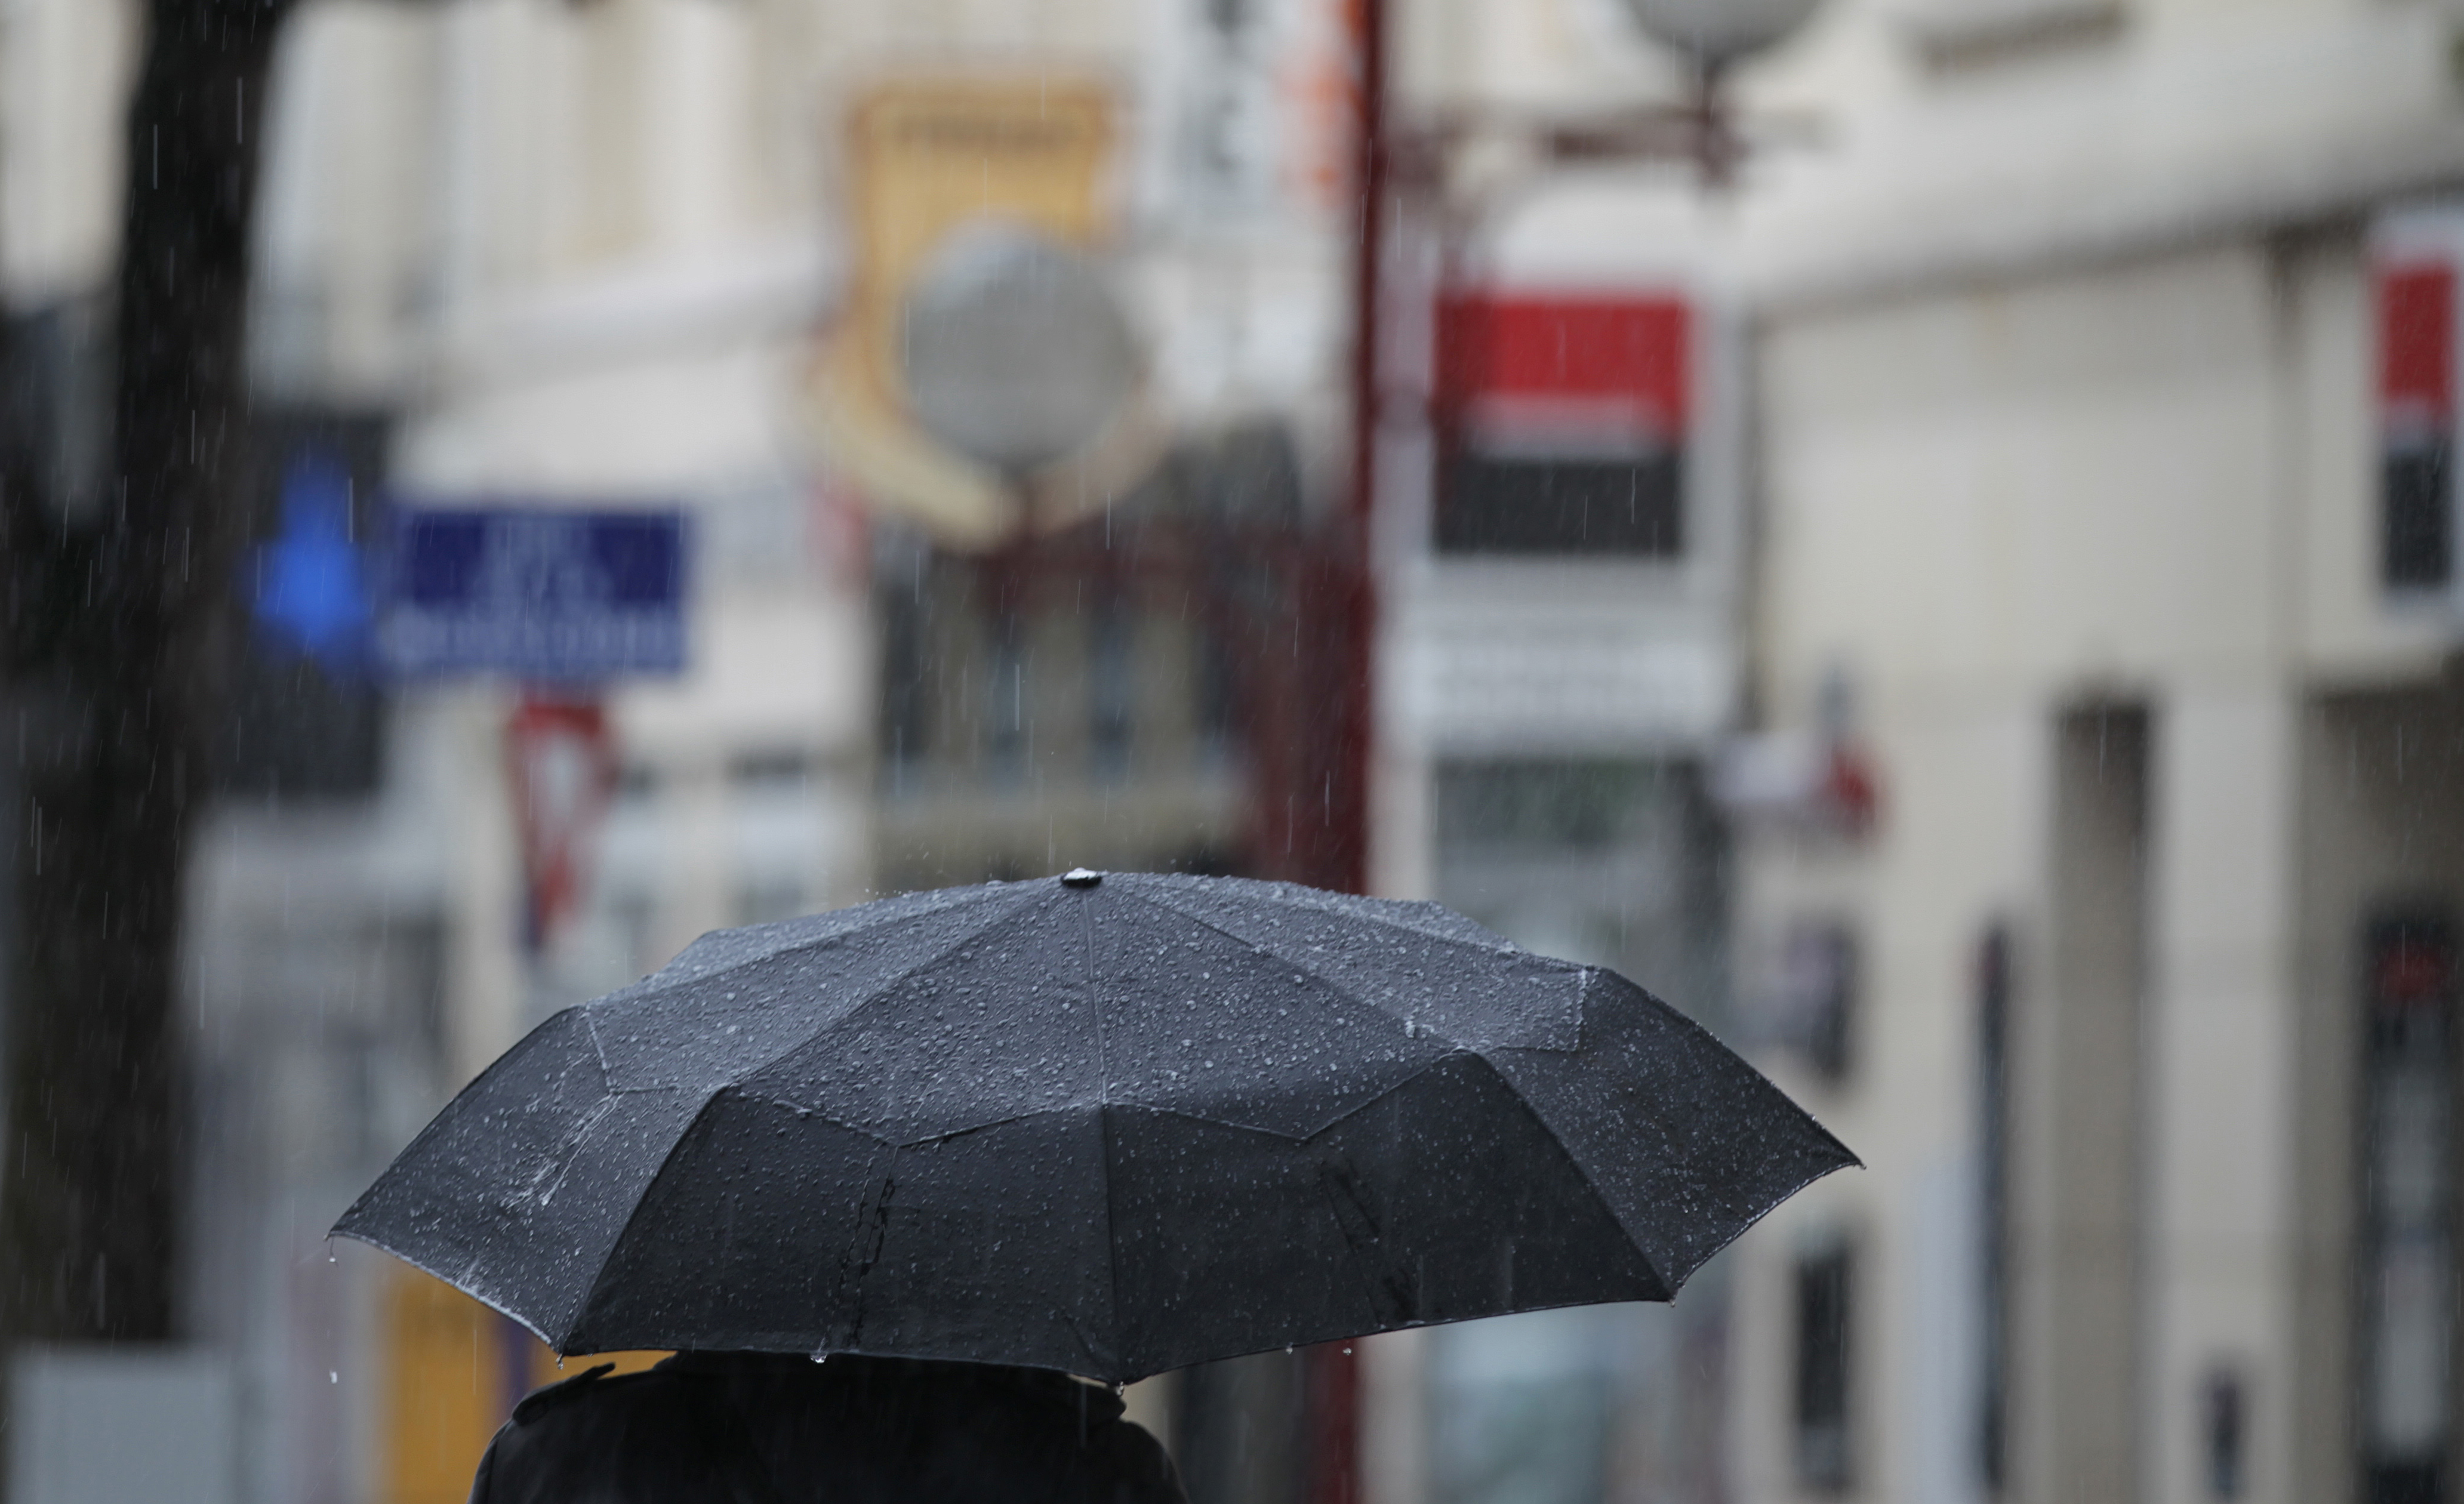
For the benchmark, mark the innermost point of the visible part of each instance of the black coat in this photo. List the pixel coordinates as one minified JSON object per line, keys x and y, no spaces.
{"x":751,"y":1429}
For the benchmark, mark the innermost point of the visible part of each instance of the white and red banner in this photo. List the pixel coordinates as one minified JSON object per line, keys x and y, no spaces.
{"x":1562,"y":419}
{"x":2415,"y":254}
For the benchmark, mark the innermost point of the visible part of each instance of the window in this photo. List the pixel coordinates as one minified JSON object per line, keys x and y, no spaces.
{"x":1112,"y":684}
{"x":1994,"y":1207}
{"x":1610,"y":862}
{"x":1005,"y":688}
{"x":1814,"y":1009}
{"x":1825,"y":1294}
{"x":2416,"y":548}
{"x":2408,"y":1261}
{"x":2224,"y":1407}
{"x":1525,"y":1409}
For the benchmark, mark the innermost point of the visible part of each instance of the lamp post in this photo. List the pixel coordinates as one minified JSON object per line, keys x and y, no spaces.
{"x":1711,"y":36}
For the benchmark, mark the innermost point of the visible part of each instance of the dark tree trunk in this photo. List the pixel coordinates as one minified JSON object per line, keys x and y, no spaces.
{"x":112,"y":629}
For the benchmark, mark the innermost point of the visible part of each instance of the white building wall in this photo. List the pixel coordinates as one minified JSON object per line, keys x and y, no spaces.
{"x":1943,"y":866}
{"x":2134,"y":480}
{"x":2220,"y":1283}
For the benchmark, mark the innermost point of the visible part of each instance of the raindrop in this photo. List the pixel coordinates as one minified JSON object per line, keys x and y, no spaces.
{"x":333,"y":1376}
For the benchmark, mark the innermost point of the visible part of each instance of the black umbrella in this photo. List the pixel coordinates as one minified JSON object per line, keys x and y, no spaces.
{"x":1108,"y":1124}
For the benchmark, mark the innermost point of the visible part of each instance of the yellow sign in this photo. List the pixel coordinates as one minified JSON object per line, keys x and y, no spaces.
{"x":925,"y":157}
{"x":448,"y":1391}
{"x":456,"y":1369}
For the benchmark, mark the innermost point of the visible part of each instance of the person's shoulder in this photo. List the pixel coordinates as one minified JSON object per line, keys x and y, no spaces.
{"x":596,"y":1435}
{"x":1135,"y":1467}
{"x":540,"y":1401}
{"x":590,"y":1399}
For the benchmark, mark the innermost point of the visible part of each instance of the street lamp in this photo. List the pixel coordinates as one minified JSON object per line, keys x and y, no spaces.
{"x":1711,"y":35}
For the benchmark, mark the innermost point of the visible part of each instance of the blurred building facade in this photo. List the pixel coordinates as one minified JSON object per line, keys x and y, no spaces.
{"x":596,"y":256}
{"x":2084,"y":531}
{"x":2088,"y":835}
{"x":1955,"y":610}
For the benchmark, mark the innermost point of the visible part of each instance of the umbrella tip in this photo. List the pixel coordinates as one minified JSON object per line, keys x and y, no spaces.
{"x":1081,"y":878}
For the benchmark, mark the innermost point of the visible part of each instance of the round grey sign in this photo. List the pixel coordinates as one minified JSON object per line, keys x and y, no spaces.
{"x":1015,"y":351}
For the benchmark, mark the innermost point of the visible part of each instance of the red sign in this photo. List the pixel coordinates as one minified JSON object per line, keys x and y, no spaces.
{"x":2413,"y":289}
{"x":563,"y":767}
{"x":1622,"y":360}
{"x":2417,"y":343}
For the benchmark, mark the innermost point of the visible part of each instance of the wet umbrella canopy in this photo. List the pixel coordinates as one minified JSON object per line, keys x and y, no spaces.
{"x":1110,"y":1125}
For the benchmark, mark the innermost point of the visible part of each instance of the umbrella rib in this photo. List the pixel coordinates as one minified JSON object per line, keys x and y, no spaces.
{"x":814,"y":944}
{"x":1096,"y":1006}
{"x":591,"y":1028}
{"x":1583,"y":1173}
{"x":1103,"y":1144}
{"x":1287,"y":895}
{"x":1113,"y":1331}
{"x":633,"y":1215}
{"x":1331,"y":983}
{"x":1683,"y":1024}
{"x":1457,"y":1052}
{"x":1504,"y":946}
{"x":456,"y":1281}
{"x":879,"y":987}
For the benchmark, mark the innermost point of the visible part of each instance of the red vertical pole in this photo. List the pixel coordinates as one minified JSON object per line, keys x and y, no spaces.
{"x":1369,"y":173}
{"x":1348,"y":788}
{"x":1332,"y":1376}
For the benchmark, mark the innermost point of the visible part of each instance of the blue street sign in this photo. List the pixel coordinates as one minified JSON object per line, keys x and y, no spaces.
{"x":534,"y":591}
{"x":310,"y":590}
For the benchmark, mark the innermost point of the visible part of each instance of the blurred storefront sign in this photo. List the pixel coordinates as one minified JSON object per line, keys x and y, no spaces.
{"x":542,"y":594}
{"x":1561,"y":422}
{"x":1022,"y":161}
{"x":1580,"y":556}
{"x":2417,"y":252}
{"x":1471,"y":674}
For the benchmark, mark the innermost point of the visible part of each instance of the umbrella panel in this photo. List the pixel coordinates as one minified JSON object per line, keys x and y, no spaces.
{"x":1687,"y":1142}
{"x":1443,"y":1200}
{"x":1110,"y":1241}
